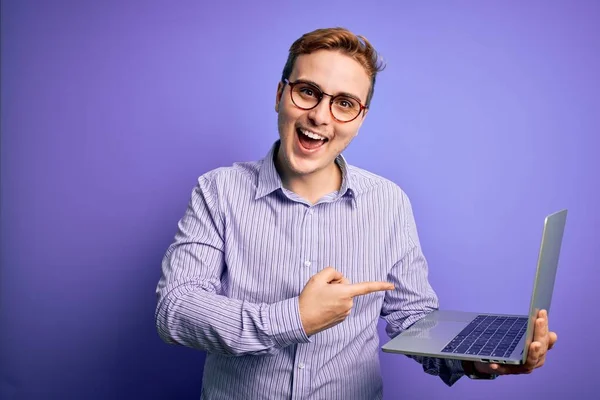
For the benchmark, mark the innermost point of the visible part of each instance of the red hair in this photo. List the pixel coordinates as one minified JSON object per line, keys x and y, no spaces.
{"x":340,"y":39}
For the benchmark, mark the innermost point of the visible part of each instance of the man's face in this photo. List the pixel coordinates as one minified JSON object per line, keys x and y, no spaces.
{"x":334,"y":73}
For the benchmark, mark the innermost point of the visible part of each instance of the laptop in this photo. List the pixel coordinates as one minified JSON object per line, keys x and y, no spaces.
{"x":484,"y":337}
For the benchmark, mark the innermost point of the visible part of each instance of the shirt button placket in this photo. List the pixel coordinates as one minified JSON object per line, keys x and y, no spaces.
{"x":301,"y":375}
{"x":301,"y":380}
{"x":308,"y":237}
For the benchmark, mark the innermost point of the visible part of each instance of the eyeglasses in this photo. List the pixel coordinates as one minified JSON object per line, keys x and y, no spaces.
{"x":306,"y":96}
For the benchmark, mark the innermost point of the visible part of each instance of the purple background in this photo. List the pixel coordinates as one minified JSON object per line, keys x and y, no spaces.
{"x":488,"y":115}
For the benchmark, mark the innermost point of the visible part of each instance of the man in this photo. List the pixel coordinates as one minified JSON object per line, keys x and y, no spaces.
{"x":281,"y":268}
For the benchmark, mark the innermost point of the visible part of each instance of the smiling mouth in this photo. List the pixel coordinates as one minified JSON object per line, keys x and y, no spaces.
{"x":310,"y":140}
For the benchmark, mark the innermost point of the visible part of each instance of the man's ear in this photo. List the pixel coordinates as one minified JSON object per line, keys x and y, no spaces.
{"x":280,"y":88}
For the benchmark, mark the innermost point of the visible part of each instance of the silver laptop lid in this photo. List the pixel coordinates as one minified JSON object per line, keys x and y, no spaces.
{"x":545,"y":275}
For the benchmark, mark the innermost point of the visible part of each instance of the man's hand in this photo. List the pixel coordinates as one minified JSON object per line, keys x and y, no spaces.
{"x":543,"y":340}
{"x":326,"y":300}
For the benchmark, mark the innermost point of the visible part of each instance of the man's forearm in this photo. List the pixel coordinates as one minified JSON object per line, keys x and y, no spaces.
{"x":196,"y":318}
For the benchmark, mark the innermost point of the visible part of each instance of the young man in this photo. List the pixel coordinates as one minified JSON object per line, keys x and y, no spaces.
{"x":281,"y":268}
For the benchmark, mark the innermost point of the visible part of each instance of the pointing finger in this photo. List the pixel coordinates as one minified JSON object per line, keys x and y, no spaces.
{"x":359,"y":289}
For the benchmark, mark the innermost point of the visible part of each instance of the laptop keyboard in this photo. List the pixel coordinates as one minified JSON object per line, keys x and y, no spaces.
{"x":489,"y":335}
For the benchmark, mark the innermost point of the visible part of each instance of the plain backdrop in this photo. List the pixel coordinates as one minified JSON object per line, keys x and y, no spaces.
{"x":487,"y":115}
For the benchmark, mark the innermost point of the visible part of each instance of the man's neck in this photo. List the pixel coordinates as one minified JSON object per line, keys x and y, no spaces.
{"x":311,"y":187}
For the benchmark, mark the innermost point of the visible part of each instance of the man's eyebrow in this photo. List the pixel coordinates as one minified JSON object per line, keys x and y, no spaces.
{"x":336,"y":94}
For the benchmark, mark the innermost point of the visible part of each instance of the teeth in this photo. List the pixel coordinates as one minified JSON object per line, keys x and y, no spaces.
{"x":312,"y":135}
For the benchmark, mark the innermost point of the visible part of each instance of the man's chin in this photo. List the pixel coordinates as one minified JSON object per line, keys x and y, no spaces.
{"x":303,"y":169}
{"x":300,"y":166}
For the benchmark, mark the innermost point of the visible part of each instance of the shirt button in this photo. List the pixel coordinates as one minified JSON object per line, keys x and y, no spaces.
{"x":310,"y":212}
{"x":301,"y":366}
{"x":307,"y":263}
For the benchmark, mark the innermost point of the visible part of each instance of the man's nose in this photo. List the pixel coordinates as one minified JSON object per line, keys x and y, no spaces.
{"x":321,"y":115}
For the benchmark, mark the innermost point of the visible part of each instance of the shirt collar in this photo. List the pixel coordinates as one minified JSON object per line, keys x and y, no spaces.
{"x":269,"y":179}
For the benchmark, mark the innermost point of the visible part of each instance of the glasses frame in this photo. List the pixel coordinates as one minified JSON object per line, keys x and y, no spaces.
{"x":323,"y":94}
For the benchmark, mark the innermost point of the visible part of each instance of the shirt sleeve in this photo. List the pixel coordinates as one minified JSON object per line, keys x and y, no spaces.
{"x":414,"y":298}
{"x":193,"y":308}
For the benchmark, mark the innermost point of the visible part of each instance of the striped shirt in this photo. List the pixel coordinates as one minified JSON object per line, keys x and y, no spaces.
{"x":244,"y":250}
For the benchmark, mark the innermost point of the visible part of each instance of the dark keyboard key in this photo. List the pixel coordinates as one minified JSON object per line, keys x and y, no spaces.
{"x":461,"y":349}
{"x":488,"y":336}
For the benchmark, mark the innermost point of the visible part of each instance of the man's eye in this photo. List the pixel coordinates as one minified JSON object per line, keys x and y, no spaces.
{"x":346,"y":103}
{"x":307,"y":91}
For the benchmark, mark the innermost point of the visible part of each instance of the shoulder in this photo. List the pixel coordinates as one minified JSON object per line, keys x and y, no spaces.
{"x":387,"y":200}
{"x":375,"y":192}
{"x":369,"y":184}
{"x":240,"y":173}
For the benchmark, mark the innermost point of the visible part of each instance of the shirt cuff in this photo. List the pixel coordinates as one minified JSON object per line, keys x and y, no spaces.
{"x":454,"y":371}
{"x":455,"y":366}
{"x":285,"y":323}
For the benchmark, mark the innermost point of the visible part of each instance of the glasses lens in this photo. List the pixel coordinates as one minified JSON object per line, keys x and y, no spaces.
{"x":305,"y":95}
{"x":345,"y":108}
